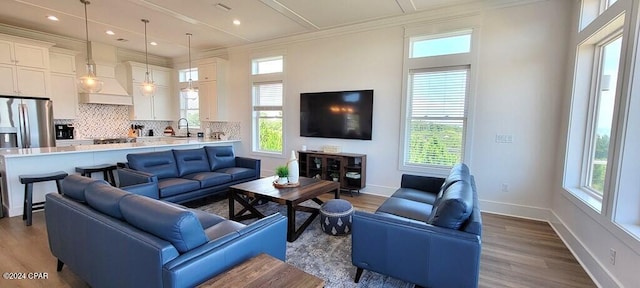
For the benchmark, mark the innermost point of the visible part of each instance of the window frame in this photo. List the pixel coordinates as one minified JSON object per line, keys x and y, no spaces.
{"x":266,"y":78}
{"x":443,"y":63}
{"x":182,"y":109}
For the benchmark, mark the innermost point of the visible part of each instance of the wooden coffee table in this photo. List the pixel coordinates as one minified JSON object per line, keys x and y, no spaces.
{"x":264,"y":271}
{"x":309,"y":189}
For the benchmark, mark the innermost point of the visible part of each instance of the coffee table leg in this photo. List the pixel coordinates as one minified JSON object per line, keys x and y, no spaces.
{"x":232,"y":208}
{"x":291,"y":223}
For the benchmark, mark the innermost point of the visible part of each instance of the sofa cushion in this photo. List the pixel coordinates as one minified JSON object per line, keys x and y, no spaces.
{"x":220,"y":157}
{"x":415,"y":195}
{"x":459,"y":172}
{"x":223,"y":228}
{"x":209,"y":179}
{"x":174,"y":224}
{"x":161,"y":163}
{"x":75,"y":187}
{"x":238,"y":173}
{"x":406,"y":208}
{"x":455,"y":206}
{"x":106,"y":199}
{"x":173,"y":186}
{"x":191,"y":161}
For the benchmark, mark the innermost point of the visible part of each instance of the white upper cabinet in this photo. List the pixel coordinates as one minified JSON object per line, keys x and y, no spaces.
{"x":64,"y":91}
{"x":212,"y":89}
{"x":24,"y":66}
{"x":161,"y":106}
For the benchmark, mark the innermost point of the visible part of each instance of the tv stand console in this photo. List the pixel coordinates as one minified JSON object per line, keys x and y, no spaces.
{"x":347,"y":168}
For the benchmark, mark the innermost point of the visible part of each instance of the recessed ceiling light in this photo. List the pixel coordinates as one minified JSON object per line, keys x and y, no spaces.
{"x":53,"y":18}
{"x":236,"y":22}
{"x":153,"y":43}
{"x":109,"y":32}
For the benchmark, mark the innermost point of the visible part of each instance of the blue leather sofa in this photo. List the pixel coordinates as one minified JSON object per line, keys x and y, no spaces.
{"x":427,"y":233}
{"x":189,"y":174}
{"x":113,"y":238}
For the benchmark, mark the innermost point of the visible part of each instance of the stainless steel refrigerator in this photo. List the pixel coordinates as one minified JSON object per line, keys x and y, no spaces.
{"x":26,"y":122}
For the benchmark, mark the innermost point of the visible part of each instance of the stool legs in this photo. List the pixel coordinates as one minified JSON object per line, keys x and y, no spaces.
{"x":28,"y":203}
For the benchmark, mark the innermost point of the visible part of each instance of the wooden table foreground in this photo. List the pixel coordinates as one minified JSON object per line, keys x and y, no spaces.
{"x":264,"y":271}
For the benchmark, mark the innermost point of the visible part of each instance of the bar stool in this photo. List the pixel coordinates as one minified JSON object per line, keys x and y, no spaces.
{"x":106,"y":169}
{"x":28,"y":180}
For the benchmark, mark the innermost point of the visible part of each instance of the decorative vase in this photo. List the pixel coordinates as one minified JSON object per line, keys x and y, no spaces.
{"x":282,"y":180}
{"x":294,"y":169}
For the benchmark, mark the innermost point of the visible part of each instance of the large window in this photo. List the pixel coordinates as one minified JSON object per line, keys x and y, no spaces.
{"x":436,"y":96}
{"x":267,"y":105}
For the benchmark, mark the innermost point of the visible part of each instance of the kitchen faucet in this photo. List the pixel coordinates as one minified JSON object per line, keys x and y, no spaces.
{"x":179,"y":127}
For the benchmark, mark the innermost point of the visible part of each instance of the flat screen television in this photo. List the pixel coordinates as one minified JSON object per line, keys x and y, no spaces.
{"x":338,"y":114}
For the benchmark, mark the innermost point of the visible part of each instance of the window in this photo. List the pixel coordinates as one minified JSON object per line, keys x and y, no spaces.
{"x":267,"y":105}
{"x":604,"y":101}
{"x":189,"y":101}
{"x":436,"y":96}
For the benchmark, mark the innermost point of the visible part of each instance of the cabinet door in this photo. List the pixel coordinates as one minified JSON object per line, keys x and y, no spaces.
{"x":161,"y":77}
{"x":142,"y":105}
{"x":137,"y":75}
{"x":32,"y":82}
{"x":62,"y":63}
{"x":163,"y":104}
{"x":64,"y":95}
{"x":8,"y":79}
{"x":205,"y":90}
{"x":31,"y":56}
{"x":207,"y":72}
{"x":6,"y":52}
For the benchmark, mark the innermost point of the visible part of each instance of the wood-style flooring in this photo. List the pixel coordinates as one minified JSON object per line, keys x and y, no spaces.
{"x":515,"y":253}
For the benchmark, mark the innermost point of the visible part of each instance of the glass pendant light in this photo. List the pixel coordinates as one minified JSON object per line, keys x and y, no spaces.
{"x":189,"y":88}
{"x":147,"y":87}
{"x":89,"y":83}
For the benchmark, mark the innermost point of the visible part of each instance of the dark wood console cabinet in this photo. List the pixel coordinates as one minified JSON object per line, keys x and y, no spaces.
{"x":348,"y":168}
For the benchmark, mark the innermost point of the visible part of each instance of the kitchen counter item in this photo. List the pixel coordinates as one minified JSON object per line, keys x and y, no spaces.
{"x":168,"y":131}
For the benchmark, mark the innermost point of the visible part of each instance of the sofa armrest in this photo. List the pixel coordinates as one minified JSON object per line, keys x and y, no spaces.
{"x":249,"y":163}
{"x":149,"y":189}
{"x":416,"y":252}
{"x":424,"y":183}
{"x":130,"y":177}
{"x":266,"y":235}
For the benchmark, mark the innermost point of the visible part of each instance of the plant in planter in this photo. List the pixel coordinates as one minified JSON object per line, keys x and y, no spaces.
{"x":282,"y":172}
{"x":335,"y":176}
{"x":317,"y":161}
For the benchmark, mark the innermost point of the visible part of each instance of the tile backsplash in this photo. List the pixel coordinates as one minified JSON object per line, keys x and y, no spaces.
{"x":107,"y":121}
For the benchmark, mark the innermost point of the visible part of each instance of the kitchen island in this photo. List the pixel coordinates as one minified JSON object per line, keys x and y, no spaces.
{"x":15,"y":162}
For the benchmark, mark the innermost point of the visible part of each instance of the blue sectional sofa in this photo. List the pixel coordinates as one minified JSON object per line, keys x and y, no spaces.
{"x":189,"y":174}
{"x":427,"y":233}
{"x":113,"y":238}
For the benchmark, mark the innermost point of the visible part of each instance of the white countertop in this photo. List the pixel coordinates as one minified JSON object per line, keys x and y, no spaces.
{"x":164,"y":141}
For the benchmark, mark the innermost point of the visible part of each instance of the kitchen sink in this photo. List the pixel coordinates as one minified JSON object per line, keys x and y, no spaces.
{"x":180,"y":136}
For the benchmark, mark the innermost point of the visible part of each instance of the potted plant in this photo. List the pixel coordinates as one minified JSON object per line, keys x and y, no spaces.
{"x":334,"y":176}
{"x":282,"y":172}
{"x":317,"y":161}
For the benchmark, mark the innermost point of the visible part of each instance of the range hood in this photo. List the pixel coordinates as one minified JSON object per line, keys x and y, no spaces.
{"x":112,"y":92}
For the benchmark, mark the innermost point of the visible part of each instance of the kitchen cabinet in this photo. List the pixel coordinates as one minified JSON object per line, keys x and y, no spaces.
{"x":64,"y":90}
{"x":212,"y":89}
{"x":161,"y":106}
{"x":24,"y":67}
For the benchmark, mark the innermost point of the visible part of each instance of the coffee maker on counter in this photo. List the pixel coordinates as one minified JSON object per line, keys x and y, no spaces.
{"x":64,"y":131}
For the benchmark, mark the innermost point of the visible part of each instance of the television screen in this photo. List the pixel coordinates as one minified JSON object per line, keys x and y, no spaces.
{"x":339,"y":114}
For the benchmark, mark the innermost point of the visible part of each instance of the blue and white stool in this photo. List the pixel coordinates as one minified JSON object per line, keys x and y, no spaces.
{"x":336,"y":216}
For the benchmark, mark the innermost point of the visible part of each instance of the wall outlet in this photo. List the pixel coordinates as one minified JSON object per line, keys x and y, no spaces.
{"x":612,"y":256}
{"x":505,"y":187}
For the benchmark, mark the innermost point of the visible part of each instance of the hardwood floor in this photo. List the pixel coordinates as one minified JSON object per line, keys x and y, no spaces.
{"x":515,"y":253}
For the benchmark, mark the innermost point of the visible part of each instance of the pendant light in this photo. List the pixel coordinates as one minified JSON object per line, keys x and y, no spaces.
{"x":89,"y":83}
{"x":189,"y":88}
{"x":147,"y":87}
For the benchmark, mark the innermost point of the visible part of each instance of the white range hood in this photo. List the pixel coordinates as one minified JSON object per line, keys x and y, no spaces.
{"x":112,"y":92}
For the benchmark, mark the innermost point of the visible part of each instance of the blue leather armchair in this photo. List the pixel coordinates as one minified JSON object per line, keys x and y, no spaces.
{"x":189,"y":174}
{"x":112,"y":238}
{"x":427,"y":233}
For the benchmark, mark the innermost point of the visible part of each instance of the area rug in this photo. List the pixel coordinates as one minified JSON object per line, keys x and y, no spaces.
{"x":325,"y":256}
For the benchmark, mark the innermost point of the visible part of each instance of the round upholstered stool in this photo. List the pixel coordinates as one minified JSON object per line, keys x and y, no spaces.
{"x":28,"y":180}
{"x":335,"y":217}
{"x":106,"y":169}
